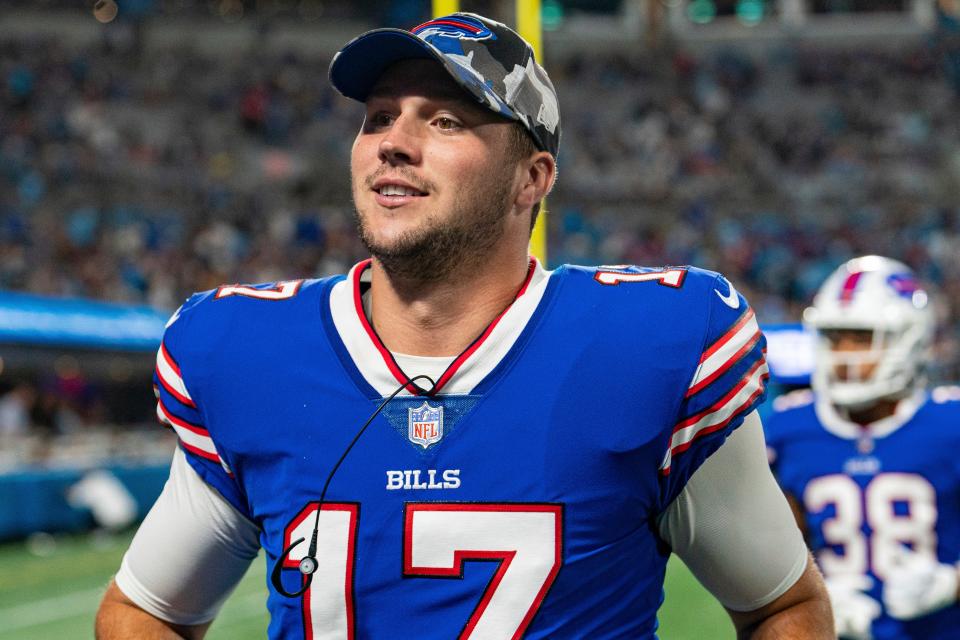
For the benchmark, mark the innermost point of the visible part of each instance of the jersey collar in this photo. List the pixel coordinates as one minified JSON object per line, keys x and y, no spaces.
{"x":839,"y":426}
{"x":379,"y":368}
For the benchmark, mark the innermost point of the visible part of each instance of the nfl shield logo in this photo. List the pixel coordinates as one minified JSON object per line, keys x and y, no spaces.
{"x":425,"y":425}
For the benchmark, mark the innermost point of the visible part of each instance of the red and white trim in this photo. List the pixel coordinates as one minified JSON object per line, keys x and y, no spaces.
{"x":459,"y":24}
{"x":395,"y":371}
{"x":380,"y":369}
{"x":718,"y":415}
{"x":169,"y":373}
{"x":726,"y":351}
{"x":194,"y":438}
{"x":327,"y":606}
{"x":525,"y":539}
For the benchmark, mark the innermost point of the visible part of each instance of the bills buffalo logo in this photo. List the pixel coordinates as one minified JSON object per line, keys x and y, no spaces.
{"x":425,"y":425}
{"x":904,"y":284}
{"x":459,"y":27}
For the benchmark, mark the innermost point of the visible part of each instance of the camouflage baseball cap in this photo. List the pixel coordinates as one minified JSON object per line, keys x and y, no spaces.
{"x":487,"y":58}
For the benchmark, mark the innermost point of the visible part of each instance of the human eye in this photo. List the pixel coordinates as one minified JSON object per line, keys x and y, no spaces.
{"x":447,"y":123}
{"x":378,"y":119}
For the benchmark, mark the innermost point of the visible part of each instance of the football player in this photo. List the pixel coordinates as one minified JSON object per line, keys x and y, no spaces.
{"x":451,"y":440}
{"x":868,"y":458}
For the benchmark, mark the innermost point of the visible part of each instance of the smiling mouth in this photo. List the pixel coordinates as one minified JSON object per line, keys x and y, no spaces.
{"x":399,"y":190}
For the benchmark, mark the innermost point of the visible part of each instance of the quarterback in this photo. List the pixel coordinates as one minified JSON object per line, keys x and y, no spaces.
{"x":451,"y":441}
{"x":869,"y":457}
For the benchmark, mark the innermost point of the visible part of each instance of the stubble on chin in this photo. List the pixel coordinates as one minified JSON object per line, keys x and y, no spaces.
{"x":441,"y":245}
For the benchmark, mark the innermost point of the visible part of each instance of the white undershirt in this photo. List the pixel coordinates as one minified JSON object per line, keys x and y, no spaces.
{"x":423,"y":365}
{"x":189,"y":553}
{"x":732,"y":526}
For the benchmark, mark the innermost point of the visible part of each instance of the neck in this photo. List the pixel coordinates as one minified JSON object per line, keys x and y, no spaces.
{"x":442,"y":318}
{"x":869,"y":415}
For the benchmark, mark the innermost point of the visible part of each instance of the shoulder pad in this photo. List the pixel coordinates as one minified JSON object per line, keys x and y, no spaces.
{"x":221,"y":309}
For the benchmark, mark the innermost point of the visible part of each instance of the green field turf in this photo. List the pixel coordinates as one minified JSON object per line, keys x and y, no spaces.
{"x":55,"y":595}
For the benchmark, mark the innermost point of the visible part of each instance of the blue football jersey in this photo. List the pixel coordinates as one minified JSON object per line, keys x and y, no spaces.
{"x":519,"y":499}
{"x":866,"y":491}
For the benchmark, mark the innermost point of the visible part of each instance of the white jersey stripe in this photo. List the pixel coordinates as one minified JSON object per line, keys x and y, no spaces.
{"x":717,"y":416}
{"x":170,"y":418}
{"x":373,"y":366}
{"x":191,"y":437}
{"x":725,"y":352}
{"x":169,"y":375}
{"x":502,"y":337}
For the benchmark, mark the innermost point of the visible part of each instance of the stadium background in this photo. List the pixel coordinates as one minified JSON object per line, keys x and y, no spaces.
{"x":150,"y":148}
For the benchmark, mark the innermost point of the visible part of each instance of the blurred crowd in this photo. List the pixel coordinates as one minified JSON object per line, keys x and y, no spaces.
{"x":140,"y":178}
{"x":65,"y":419}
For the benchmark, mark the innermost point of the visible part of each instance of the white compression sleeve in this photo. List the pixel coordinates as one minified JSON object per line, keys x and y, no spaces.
{"x":190,"y":552}
{"x":732,"y":526}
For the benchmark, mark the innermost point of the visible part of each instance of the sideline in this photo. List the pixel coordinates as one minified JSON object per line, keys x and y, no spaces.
{"x":80,"y":603}
{"x":31,"y":614}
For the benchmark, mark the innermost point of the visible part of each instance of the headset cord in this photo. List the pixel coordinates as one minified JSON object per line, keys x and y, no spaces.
{"x":308,"y":564}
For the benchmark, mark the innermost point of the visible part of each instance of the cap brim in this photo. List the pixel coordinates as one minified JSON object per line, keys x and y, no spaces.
{"x":356,"y":68}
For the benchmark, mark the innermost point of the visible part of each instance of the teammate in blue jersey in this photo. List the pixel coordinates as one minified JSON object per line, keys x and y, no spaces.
{"x":451,"y":441}
{"x":869,"y":457}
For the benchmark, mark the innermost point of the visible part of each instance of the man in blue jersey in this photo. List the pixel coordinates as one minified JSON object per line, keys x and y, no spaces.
{"x":868,"y":458}
{"x":451,"y":441}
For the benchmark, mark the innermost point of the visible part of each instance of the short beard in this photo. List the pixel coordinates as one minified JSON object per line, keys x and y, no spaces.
{"x":441,"y":247}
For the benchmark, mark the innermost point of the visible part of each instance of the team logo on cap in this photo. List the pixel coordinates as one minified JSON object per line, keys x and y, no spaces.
{"x":425,"y":425}
{"x":453,"y":27}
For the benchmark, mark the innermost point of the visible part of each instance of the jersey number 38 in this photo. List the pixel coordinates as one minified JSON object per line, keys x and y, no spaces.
{"x":897,"y":509}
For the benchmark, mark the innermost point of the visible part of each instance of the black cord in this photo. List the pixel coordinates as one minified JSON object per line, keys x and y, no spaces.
{"x":308,"y":565}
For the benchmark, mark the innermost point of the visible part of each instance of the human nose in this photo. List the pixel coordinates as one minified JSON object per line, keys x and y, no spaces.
{"x":401,"y":143}
{"x":848,"y":343}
